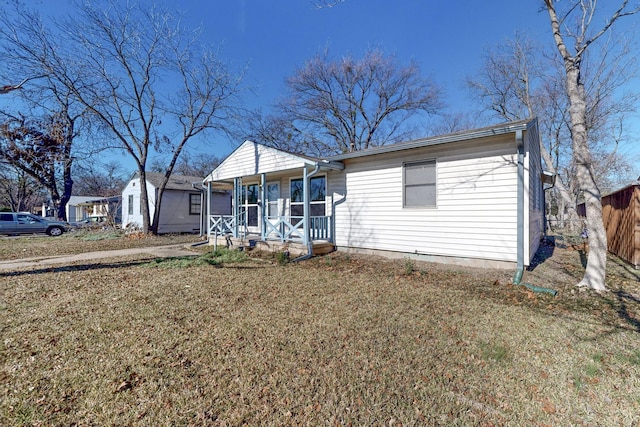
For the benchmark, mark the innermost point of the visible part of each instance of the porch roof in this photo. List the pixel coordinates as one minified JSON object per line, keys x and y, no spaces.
{"x":252,"y":158}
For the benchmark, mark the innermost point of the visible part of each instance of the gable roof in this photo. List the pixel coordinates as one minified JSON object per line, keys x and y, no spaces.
{"x":252,"y":158}
{"x":176,"y":182}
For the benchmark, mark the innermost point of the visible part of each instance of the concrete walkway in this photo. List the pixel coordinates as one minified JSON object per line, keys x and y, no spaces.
{"x":176,"y":250}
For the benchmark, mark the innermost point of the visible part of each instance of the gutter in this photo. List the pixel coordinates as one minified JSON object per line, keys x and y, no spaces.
{"x":436,"y":140}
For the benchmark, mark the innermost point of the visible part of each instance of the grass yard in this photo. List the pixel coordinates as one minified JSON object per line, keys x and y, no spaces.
{"x":336,"y":340}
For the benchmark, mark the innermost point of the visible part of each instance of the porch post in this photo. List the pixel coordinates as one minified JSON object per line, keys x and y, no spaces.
{"x":263,"y":205}
{"x":307,"y":205}
{"x":236,"y":207}
{"x":208,"y":210}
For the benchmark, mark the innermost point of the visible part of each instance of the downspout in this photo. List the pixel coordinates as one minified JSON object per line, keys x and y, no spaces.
{"x":517,"y":278}
{"x":520,"y":215}
{"x":307,"y":210}
{"x":203,"y":198}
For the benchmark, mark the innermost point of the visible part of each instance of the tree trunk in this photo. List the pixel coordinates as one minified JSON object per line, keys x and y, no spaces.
{"x":155,"y":223}
{"x":594,"y":275}
{"x":144,"y":199}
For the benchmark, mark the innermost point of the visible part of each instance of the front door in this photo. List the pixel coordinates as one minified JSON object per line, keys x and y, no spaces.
{"x":249,"y":199}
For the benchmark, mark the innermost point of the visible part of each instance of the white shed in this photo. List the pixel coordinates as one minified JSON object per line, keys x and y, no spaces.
{"x":473,"y":197}
{"x":182,"y":201}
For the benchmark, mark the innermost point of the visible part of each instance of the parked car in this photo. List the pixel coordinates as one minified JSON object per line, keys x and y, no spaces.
{"x":91,"y":222}
{"x":27,"y":223}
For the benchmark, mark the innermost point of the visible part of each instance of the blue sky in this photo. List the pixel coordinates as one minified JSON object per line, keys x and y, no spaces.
{"x":273,"y":37}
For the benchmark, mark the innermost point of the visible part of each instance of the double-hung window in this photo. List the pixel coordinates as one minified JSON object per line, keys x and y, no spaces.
{"x":130,"y":204}
{"x":317,"y":192}
{"x":419,"y":181}
{"x":195,"y":204}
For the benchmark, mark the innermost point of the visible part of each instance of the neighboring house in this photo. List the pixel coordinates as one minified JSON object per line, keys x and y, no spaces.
{"x":621,"y":217}
{"x":108,"y":207}
{"x":76,"y":207}
{"x":81,"y":207}
{"x":473,"y":197}
{"x":182,"y":201}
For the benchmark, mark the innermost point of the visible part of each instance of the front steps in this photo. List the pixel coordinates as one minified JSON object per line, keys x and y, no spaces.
{"x":320,"y":247}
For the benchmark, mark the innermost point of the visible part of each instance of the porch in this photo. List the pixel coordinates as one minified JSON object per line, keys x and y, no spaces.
{"x":279,"y":200}
{"x":278,"y":234}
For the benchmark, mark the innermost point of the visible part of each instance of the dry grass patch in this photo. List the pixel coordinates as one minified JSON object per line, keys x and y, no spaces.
{"x":80,"y":241}
{"x":337,"y":340}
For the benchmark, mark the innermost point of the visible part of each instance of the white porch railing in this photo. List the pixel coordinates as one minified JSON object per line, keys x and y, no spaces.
{"x":283,"y":228}
{"x":226,"y":224}
{"x":286,"y":228}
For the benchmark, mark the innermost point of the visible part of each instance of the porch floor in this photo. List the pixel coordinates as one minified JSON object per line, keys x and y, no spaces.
{"x":254,"y":242}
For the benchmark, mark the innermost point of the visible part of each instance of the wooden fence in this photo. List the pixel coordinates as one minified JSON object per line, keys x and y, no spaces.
{"x":621,"y":217}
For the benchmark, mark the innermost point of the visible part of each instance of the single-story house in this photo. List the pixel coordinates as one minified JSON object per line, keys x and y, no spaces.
{"x":108,"y":207}
{"x":471,"y":198}
{"x":81,"y":207}
{"x":181,"y":210}
{"x":76,"y":210}
{"x":621,"y":217}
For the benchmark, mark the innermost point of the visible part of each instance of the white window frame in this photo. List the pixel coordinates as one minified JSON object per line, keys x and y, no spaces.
{"x":426,"y":182}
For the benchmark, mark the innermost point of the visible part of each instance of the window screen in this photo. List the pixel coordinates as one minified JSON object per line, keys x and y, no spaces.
{"x":420,"y":184}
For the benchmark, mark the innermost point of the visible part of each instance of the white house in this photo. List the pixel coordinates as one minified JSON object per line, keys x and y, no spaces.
{"x":76,"y":208}
{"x":182,"y":201}
{"x":474,"y":197}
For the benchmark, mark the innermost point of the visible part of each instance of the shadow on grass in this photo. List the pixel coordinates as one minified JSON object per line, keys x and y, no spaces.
{"x":544,"y":252}
{"x":168,"y":262}
{"x":624,"y":299}
{"x":583,"y":257}
{"x":77,"y":267}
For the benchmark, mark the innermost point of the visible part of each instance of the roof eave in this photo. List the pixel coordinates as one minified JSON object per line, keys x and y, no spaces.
{"x":436,"y":140}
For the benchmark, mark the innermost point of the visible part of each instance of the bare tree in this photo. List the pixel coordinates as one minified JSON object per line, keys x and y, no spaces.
{"x":575,"y":32}
{"x":515,"y":83}
{"x":351,"y":104}
{"x":276,"y":131}
{"x":520,"y":80}
{"x":141,"y":74}
{"x":42,"y":149}
{"x":18,"y":191}
{"x":94,"y":179}
{"x":199,"y":164}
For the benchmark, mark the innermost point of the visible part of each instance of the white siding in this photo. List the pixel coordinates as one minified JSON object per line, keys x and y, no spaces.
{"x":535,"y":189}
{"x":476,"y":209}
{"x":253,"y":159}
{"x":132,"y":188}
